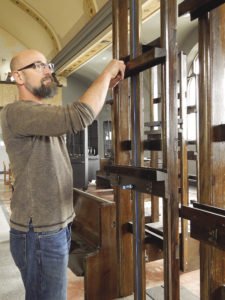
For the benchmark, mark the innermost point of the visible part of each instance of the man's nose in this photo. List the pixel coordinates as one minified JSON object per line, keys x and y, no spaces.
{"x":47,"y":70}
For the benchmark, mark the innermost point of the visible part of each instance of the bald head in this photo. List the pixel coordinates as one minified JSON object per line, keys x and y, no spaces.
{"x":25,"y":58}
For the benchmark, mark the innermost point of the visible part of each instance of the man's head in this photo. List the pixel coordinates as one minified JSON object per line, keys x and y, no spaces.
{"x":33,"y":75}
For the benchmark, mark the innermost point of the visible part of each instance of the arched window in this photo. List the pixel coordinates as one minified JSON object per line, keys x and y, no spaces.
{"x":192,"y":98}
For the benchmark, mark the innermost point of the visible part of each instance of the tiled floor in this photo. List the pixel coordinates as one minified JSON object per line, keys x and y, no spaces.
{"x":154,"y":270}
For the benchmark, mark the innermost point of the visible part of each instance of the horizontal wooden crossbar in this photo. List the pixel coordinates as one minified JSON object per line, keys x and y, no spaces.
{"x":207,"y":223}
{"x":145,"y":48}
{"x":157,"y":100}
{"x":210,"y":208}
{"x":141,"y":179}
{"x":142,"y":62}
{"x":153,"y":124}
{"x":219,"y":133}
{"x":191,"y":155}
{"x":151,"y":145}
{"x":198,"y":8}
{"x":191,"y":109}
{"x":151,"y":237}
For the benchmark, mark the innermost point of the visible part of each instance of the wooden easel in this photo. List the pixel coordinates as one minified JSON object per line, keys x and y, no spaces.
{"x":129,"y":176}
{"x":208,"y":216}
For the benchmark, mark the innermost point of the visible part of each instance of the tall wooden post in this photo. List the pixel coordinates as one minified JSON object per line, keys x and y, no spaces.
{"x":121,"y":132}
{"x":137,"y":152}
{"x":171,"y":202}
{"x":212,"y":158}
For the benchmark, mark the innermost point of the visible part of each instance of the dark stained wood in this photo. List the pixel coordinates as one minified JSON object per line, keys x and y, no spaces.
{"x":142,"y":172}
{"x":219,"y":293}
{"x":206,"y":226}
{"x":121,"y":132}
{"x":152,"y":44}
{"x":157,"y":100}
{"x":153,"y":123}
{"x":95,"y":225}
{"x":171,"y":203}
{"x":219,"y":133}
{"x":125,"y":145}
{"x":149,"y":59}
{"x":138,"y":178}
{"x":137,"y":117}
{"x":183,"y":158}
{"x":204,"y":182}
{"x":154,"y":88}
{"x":145,"y":48}
{"x":190,"y":109}
{"x":153,"y":145}
{"x":203,"y":217}
{"x":198,"y":8}
{"x":192,"y":155}
{"x":210,"y":208}
{"x":217,"y":103}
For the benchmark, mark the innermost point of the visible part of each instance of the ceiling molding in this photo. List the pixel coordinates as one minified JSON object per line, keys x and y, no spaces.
{"x":92,"y":50}
{"x":90,"y":7}
{"x":39,"y":19}
{"x":93,"y":38}
{"x":85,"y":37}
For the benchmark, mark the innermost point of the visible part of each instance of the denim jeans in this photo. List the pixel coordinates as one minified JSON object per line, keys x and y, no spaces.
{"x":42,"y":259}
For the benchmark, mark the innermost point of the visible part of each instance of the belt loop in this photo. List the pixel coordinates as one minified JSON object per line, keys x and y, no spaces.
{"x":30,"y":224}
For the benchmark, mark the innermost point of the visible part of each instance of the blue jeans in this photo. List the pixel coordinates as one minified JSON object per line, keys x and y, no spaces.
{"x":42,"y":259}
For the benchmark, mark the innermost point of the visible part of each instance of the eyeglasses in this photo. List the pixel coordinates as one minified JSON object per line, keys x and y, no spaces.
{"x":39,"y":66}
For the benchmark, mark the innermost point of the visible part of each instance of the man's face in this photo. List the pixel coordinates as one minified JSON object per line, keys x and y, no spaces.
{"x":45,"y":87}
{"x":37,"y":75}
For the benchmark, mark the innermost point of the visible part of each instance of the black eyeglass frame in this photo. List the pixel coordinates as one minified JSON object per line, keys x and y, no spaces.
{"x":34,"y":66}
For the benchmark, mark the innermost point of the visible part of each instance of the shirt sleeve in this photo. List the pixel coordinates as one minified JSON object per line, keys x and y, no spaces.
{"x":26,"y":118}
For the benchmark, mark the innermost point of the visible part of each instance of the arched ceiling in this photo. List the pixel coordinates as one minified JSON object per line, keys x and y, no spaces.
{"x":44,"y":25}
{"x":51,"y":25}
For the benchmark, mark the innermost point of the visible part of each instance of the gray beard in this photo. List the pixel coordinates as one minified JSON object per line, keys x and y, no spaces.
{"x":43,"y":92}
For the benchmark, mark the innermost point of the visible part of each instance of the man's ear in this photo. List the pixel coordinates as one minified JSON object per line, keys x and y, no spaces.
{"x":18,"y":76}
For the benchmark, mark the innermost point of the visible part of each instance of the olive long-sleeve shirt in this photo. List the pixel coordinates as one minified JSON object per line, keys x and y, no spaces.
{"x":33,"y":135}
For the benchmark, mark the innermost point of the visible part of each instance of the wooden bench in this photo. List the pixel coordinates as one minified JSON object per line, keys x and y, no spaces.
{"x":93,"y":246}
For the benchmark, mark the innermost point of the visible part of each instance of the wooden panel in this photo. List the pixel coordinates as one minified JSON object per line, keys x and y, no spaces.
{"x":95,"y":223}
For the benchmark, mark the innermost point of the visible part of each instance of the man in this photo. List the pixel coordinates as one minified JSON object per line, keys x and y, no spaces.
{"x":42,"y":204}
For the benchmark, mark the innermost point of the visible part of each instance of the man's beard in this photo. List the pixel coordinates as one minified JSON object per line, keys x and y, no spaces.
{"x":44,"y":91}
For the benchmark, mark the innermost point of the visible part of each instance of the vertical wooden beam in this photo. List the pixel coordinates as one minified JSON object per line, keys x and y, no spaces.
{"x":212,"y":163}
{"x":171,"y":203}
{"x":137,"y":153}
{"x":217,"y":82}
{"x":121,"y":132}
{"x":204,"y":161}
{"x":154,"y":155}
{"x":183,"y":157}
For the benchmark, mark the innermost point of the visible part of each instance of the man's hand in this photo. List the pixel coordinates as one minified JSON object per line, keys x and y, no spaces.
{"x":96,"y":94}
{"x":115,"y":69}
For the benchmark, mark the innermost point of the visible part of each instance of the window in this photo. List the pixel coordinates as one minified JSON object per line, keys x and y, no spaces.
{"x":107,"y":135}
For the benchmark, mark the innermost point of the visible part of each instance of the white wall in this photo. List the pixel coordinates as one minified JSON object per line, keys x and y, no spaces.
{"x":3,"y":155}
{"x":9,"y":46}
{"x":75,"y":88}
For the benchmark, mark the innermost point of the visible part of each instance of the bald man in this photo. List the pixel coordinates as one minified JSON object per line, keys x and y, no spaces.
{"x":42,"y":201}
